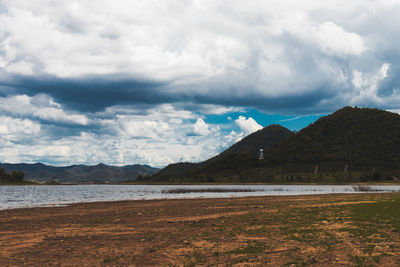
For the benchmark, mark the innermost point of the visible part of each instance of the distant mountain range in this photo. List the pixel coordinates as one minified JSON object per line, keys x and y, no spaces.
{"x":100,"y":173}
{"x":350,"y":145}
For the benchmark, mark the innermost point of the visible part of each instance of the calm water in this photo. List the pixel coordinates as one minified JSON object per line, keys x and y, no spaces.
{"x":34,"y":196}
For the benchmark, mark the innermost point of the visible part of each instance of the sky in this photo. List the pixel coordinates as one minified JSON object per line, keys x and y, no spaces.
{"x":161,"y":81}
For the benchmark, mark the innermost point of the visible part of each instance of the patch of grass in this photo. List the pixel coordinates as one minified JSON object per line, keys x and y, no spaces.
{"x":110,"y":259}
{"x":379,"y":214}
{"x":306,"y":235}
{"x":358,"y":260}
{"x":251,"y":248}
{"x":206,"y":190}
{"x":96,"y":221}
{"x":190,"y":264}
{"x":195,"y":259}
{"x":241,"y":259}
{"x":259,"y":231}
{"x":375,"y":223}
{"x":297,"y":263}
{"x":199,"y":257}
{"x":364,"y":188}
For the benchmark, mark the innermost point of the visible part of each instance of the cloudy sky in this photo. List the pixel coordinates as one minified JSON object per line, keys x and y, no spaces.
{"x":155,"y":82}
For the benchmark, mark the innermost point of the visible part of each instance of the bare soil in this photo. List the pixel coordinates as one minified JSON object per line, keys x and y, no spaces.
{"x":323,"y":230}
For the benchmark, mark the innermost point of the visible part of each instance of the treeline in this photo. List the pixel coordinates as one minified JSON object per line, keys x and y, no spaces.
{"x":257,"y":173}
{"x":14,"y":176}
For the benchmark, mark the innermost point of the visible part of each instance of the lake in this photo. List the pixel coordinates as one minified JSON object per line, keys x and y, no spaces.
{"x":55,"y":195}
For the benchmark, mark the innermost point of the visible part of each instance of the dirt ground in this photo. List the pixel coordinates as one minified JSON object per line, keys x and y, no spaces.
{"x":322,"y":230}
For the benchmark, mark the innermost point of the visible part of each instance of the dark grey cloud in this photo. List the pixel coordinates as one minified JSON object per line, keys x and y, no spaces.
{"x":243,"y":56}
{"x":89,"y":94}
{"x":94,"y":94}
{"x":7,"y":90}
{"x":301,"y":104}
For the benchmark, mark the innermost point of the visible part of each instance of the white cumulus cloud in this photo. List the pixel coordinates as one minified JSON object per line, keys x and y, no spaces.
{"x":157,"y":136}
{"x":200,"y":127}
{"x":333,"y":39}
{"x":40,"y":107}
{"x":15,"y":128}
{"x":248,"y":125}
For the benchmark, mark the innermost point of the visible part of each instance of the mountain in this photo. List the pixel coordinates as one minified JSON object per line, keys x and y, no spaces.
{"x":79,"y":173}
{"x":233,"y":158}
{"x":179,"y":169}
{"x":359,"y":138}
{"x":261,"y":139}
{"x":349,"y":145}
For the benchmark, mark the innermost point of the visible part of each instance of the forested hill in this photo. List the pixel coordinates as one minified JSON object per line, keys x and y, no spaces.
{"x":350,"y":145}
{"x":360,"y":138}
{"x":264,"y":138}
{"x":246,"y":150}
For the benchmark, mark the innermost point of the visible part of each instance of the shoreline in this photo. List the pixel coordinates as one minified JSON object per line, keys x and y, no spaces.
{"x":183,"y":198}
{"x":30,"y":183}
{"x":270,"y":230}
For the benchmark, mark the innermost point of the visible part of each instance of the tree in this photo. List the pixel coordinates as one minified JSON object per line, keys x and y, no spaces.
{"x":17,"y":176}
{"x":14,"y":176}
{"x":3,"y":174}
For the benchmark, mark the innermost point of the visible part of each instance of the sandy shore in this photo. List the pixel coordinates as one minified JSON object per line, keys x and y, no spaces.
{"x":309,"y":230}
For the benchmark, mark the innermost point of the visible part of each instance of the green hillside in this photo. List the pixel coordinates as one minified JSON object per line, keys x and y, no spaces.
{"x":264,"y":138}
{"x":236,"y":159}
{"x":350,"y":145}
{"x":351,"y":139}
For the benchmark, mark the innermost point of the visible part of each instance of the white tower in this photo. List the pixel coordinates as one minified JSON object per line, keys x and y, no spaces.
{"x":261,"y":154}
